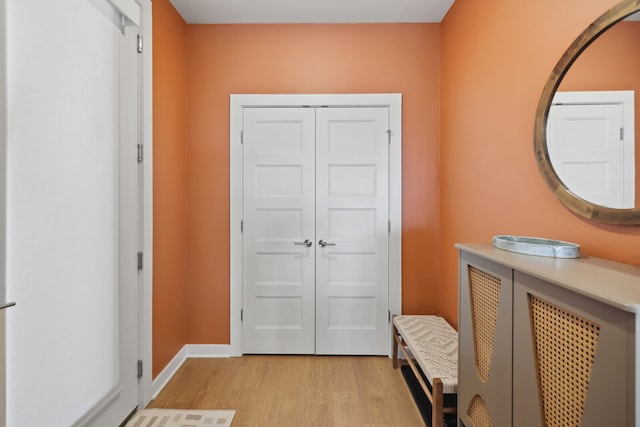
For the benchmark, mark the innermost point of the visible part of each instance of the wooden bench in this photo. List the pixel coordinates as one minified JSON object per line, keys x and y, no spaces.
{"x":433,"y":344}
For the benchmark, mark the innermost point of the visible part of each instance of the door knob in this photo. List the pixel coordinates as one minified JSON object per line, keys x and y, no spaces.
{"x":7,"y":305}
{"x":324,"y":243}
{"x":306,"y":243}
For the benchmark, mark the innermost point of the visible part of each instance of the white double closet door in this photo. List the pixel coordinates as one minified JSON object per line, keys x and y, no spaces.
{"x":315,"y":230}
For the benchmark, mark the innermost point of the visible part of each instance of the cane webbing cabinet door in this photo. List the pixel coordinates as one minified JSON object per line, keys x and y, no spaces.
{"x":484,"y":352}
{"x":571,"y":358}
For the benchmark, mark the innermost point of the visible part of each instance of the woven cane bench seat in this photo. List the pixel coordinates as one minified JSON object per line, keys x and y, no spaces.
{"x":432,"y":343}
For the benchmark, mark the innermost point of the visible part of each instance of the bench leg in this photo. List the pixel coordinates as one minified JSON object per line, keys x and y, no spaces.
{"x":395,"y":344}
{"x":437,"y":403}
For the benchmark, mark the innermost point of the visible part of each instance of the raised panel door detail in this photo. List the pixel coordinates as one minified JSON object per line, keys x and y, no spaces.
{"x":352,"y":313}
{"x":352,"y":180}
{"x":279,"y":312}
{"x":353,"y":136}
{"x":279,"y":136}
{"x":355,"y":268}
{"x":278,"y":224}
{"x":279,"y":180}
{"x":279,"y":268}
{"x":352,"y":223}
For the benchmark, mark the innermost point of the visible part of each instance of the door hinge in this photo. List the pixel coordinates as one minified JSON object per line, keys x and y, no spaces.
{"x":139,"y":43}
{"x":242,"y":226}
{"x":621,"y":134}
{"x":140,"y":153}
{"x":242,"y":314}
{"x":139,"y":369}
{"x":241,"y":137}
{"x":389,"y":228}
{"x":140,"y":261}
{"x":389,"y":135}
{"x":389,"y":316}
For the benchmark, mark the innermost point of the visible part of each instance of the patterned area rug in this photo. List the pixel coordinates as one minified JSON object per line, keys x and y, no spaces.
{"x":181,"y":418}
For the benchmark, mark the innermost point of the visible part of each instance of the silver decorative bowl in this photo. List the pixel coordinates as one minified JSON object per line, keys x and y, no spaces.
{"x":537,"y":246}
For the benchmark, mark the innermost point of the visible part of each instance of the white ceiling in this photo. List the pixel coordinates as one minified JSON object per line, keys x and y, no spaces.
{"x":310,"y":11}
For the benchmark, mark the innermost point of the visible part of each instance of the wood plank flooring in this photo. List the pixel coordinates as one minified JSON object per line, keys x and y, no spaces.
{"x":297,"y":391}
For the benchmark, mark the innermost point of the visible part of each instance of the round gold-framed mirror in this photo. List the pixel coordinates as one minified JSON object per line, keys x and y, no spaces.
{"x":582,"y":207}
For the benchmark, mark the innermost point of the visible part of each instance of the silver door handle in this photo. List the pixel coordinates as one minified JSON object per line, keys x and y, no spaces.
{"x":324,"y":243}
{"x":7,"y":305}
{"x":306,"y":243}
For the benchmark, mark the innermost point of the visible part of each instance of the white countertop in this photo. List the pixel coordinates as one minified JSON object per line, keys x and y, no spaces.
{"x":612,"y":283}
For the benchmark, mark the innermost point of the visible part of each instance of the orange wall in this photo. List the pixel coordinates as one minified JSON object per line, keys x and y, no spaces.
{"x":169,"y":183}
{"x":496,"y":58}
{"x":471,"y":87}
{"x":608,"y":64}
{"x":226,"y":59}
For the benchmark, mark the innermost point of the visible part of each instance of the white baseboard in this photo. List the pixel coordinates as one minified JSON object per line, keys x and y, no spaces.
{"x":208,"y":350}
{"x":186,"y":352}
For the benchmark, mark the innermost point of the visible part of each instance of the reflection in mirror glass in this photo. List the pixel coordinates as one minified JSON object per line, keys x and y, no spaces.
{"x":591,"y":130}
{"x":590,"y":138}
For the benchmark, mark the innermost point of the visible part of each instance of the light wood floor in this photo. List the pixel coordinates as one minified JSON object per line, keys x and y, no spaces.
{"x":296,"y":391}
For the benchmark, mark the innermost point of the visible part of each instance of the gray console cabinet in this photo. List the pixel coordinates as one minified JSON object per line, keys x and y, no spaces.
{"x":558,"y":336}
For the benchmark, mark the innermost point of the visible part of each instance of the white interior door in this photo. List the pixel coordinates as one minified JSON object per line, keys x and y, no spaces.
{"x":72,"y":213}
{"x":314,"y":174}
{"x":278,"y":268}
{"x":591,"y":146}
{"x":352,"y":279}
{"x":3,"y":222}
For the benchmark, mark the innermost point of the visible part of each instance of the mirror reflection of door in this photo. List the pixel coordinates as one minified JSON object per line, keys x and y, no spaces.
{"x":591,"y":145}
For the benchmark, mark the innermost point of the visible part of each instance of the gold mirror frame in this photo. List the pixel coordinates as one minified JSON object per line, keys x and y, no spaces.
{"x":570,"y":200}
